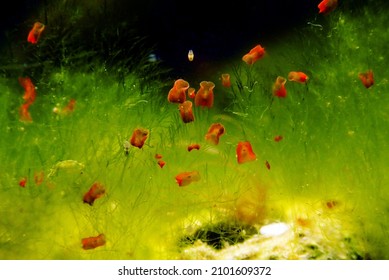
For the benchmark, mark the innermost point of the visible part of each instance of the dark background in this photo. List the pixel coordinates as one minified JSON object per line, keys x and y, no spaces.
{"x":215,"y":30}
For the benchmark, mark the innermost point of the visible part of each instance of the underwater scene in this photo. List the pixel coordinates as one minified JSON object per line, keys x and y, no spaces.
{"x":182,"y":130}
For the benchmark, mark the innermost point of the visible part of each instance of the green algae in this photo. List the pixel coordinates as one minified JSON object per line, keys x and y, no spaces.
{"x":334,"y":148}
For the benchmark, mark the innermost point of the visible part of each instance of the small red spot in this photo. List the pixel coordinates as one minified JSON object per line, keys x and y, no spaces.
{"x":279,"y":89}
{"x":327,"y":6}
{"x":255,"y":53}
{"x":244,"y":152}
{"x":70,"y":107}
{"x":93,"y":242}
{"x":185,"y":178}
{"x":367,"y":78}
{"x":139,"y":137}
{"x":178,"y":93}
{"x":161,"y":163}
{"x":331,"y":204}
{"x":226,"y":80}
{"x":214,"y":133}
{"x":35,"y":32}
{"x":303,"y":222}
{"x":298,"y":77}
{"x":158,"y":156}
{"x":267,"y":165}
{"x":186,"y":111}
{"x":204,"y":96}
{"x":96,"y":191}
{"x":192,"y":93}
{"x":193,"y":147}
{"x":278,"y":138}
{"x":23,"y":182}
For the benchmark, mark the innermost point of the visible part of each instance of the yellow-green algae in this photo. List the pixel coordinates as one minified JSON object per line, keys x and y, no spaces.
{"x":334,"y":150}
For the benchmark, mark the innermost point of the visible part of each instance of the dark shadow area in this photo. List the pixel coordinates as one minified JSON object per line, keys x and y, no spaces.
{"x":117,"y":31}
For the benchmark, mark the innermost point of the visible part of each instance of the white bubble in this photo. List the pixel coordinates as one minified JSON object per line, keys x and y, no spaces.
{"x":274,"y":229}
